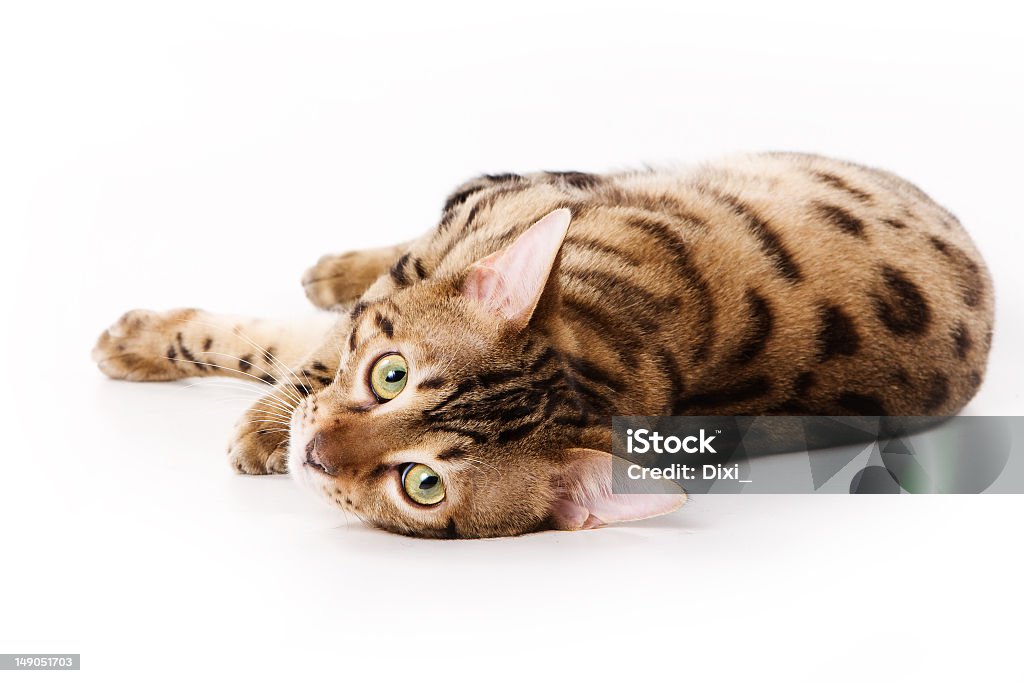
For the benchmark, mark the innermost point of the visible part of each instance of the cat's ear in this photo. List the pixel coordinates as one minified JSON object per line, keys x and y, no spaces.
{"x":587,"y":500}
{"x":510,"y":282}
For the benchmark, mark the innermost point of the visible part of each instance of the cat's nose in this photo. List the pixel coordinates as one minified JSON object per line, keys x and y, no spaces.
{"x":314,"y":457}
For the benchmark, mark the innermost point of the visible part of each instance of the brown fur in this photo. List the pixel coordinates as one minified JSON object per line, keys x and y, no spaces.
{"x":764,"y":284}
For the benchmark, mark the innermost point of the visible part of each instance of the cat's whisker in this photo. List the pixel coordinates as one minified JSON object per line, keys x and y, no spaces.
{"x":285,"y":371}
{"x":283,"y":419}
{"x":268,"y":417}
{"x":263,"y":395}
{"x":266,"y":354}
{"x":263,"y":420}
{"x":222,"y":367}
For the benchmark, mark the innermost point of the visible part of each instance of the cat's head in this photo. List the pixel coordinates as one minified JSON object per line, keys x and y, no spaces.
{"x":454,"y":414}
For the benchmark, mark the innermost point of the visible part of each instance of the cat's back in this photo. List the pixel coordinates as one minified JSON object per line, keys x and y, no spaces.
{"x":764,"y":283}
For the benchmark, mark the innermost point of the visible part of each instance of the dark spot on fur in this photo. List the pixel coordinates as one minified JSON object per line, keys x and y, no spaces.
{"x":972,"y":285}
{"x":841,"y":218}
{"x":738,"y":393}
{"x":421,"y":271}
{"x":895,"y":223}
{"x":938,"y":393}
{"x":860,"y":404}
{"x":900,"y":305}
{"x":790,"y":407}
{"x":245,"y":362}
{"x":451,"y":531}
{"x":962,"y":340}
{"x":838,"y":335}
{"x":268,"y":378}
{"x":358,"y":310}
{"x":386,"y":325}
{"x":207,"y":343}
{"x":319,"y":367}
{"x":172,"y":353}
{"x":804,"y":383}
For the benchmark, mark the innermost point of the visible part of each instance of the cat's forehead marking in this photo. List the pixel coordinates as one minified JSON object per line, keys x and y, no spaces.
{"x":381,"y":312}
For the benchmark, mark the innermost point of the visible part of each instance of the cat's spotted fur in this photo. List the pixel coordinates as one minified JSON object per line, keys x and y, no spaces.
{"x":765,"y":284}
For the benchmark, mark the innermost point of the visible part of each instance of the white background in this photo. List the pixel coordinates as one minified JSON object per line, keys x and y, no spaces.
{"x":160,"y":155}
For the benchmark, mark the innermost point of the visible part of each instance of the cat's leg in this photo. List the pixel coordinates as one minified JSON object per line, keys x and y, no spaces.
{"x":186,"y":342}
{"x":149,"y":346}
{"x":338,"y":279}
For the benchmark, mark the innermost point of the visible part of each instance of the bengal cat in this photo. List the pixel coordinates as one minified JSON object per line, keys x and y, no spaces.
{"x":467,"y":384}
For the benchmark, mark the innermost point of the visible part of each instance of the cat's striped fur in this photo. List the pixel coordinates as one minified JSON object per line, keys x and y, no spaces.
{"x":765,"y":284}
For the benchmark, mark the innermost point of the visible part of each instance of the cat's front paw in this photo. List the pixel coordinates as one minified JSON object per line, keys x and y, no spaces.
{"x":339,"y":279}
{"x":136,"y":347}
{"x":258,"y":447}
{"x":324,"y":283}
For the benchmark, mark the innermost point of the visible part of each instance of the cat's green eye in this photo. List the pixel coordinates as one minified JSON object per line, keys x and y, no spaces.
{"x":422,"y":484}
{"x":388,"y":376}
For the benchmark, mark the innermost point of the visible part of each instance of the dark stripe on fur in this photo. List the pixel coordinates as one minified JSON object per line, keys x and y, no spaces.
{"x":452,"y":454}
{"x":432,"y":383}
{"x":668,"y":366}
{"x":599,"y":247}
{"x":421,"y":271}
{"x":841,"y":218}
{"x":680,"y":258}
{"x":516,"y":433}
{"x":771,"y":243}
{"x":583,"y":181}
{"x":840,"y":184}
{"x":761,"y":322}
{"x":398,"y":271}
{"x":478,"y":437}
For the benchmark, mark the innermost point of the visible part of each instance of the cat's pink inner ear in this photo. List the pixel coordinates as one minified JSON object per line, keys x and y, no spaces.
{"x":587,"y":500}
{"x":510,"y":282}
